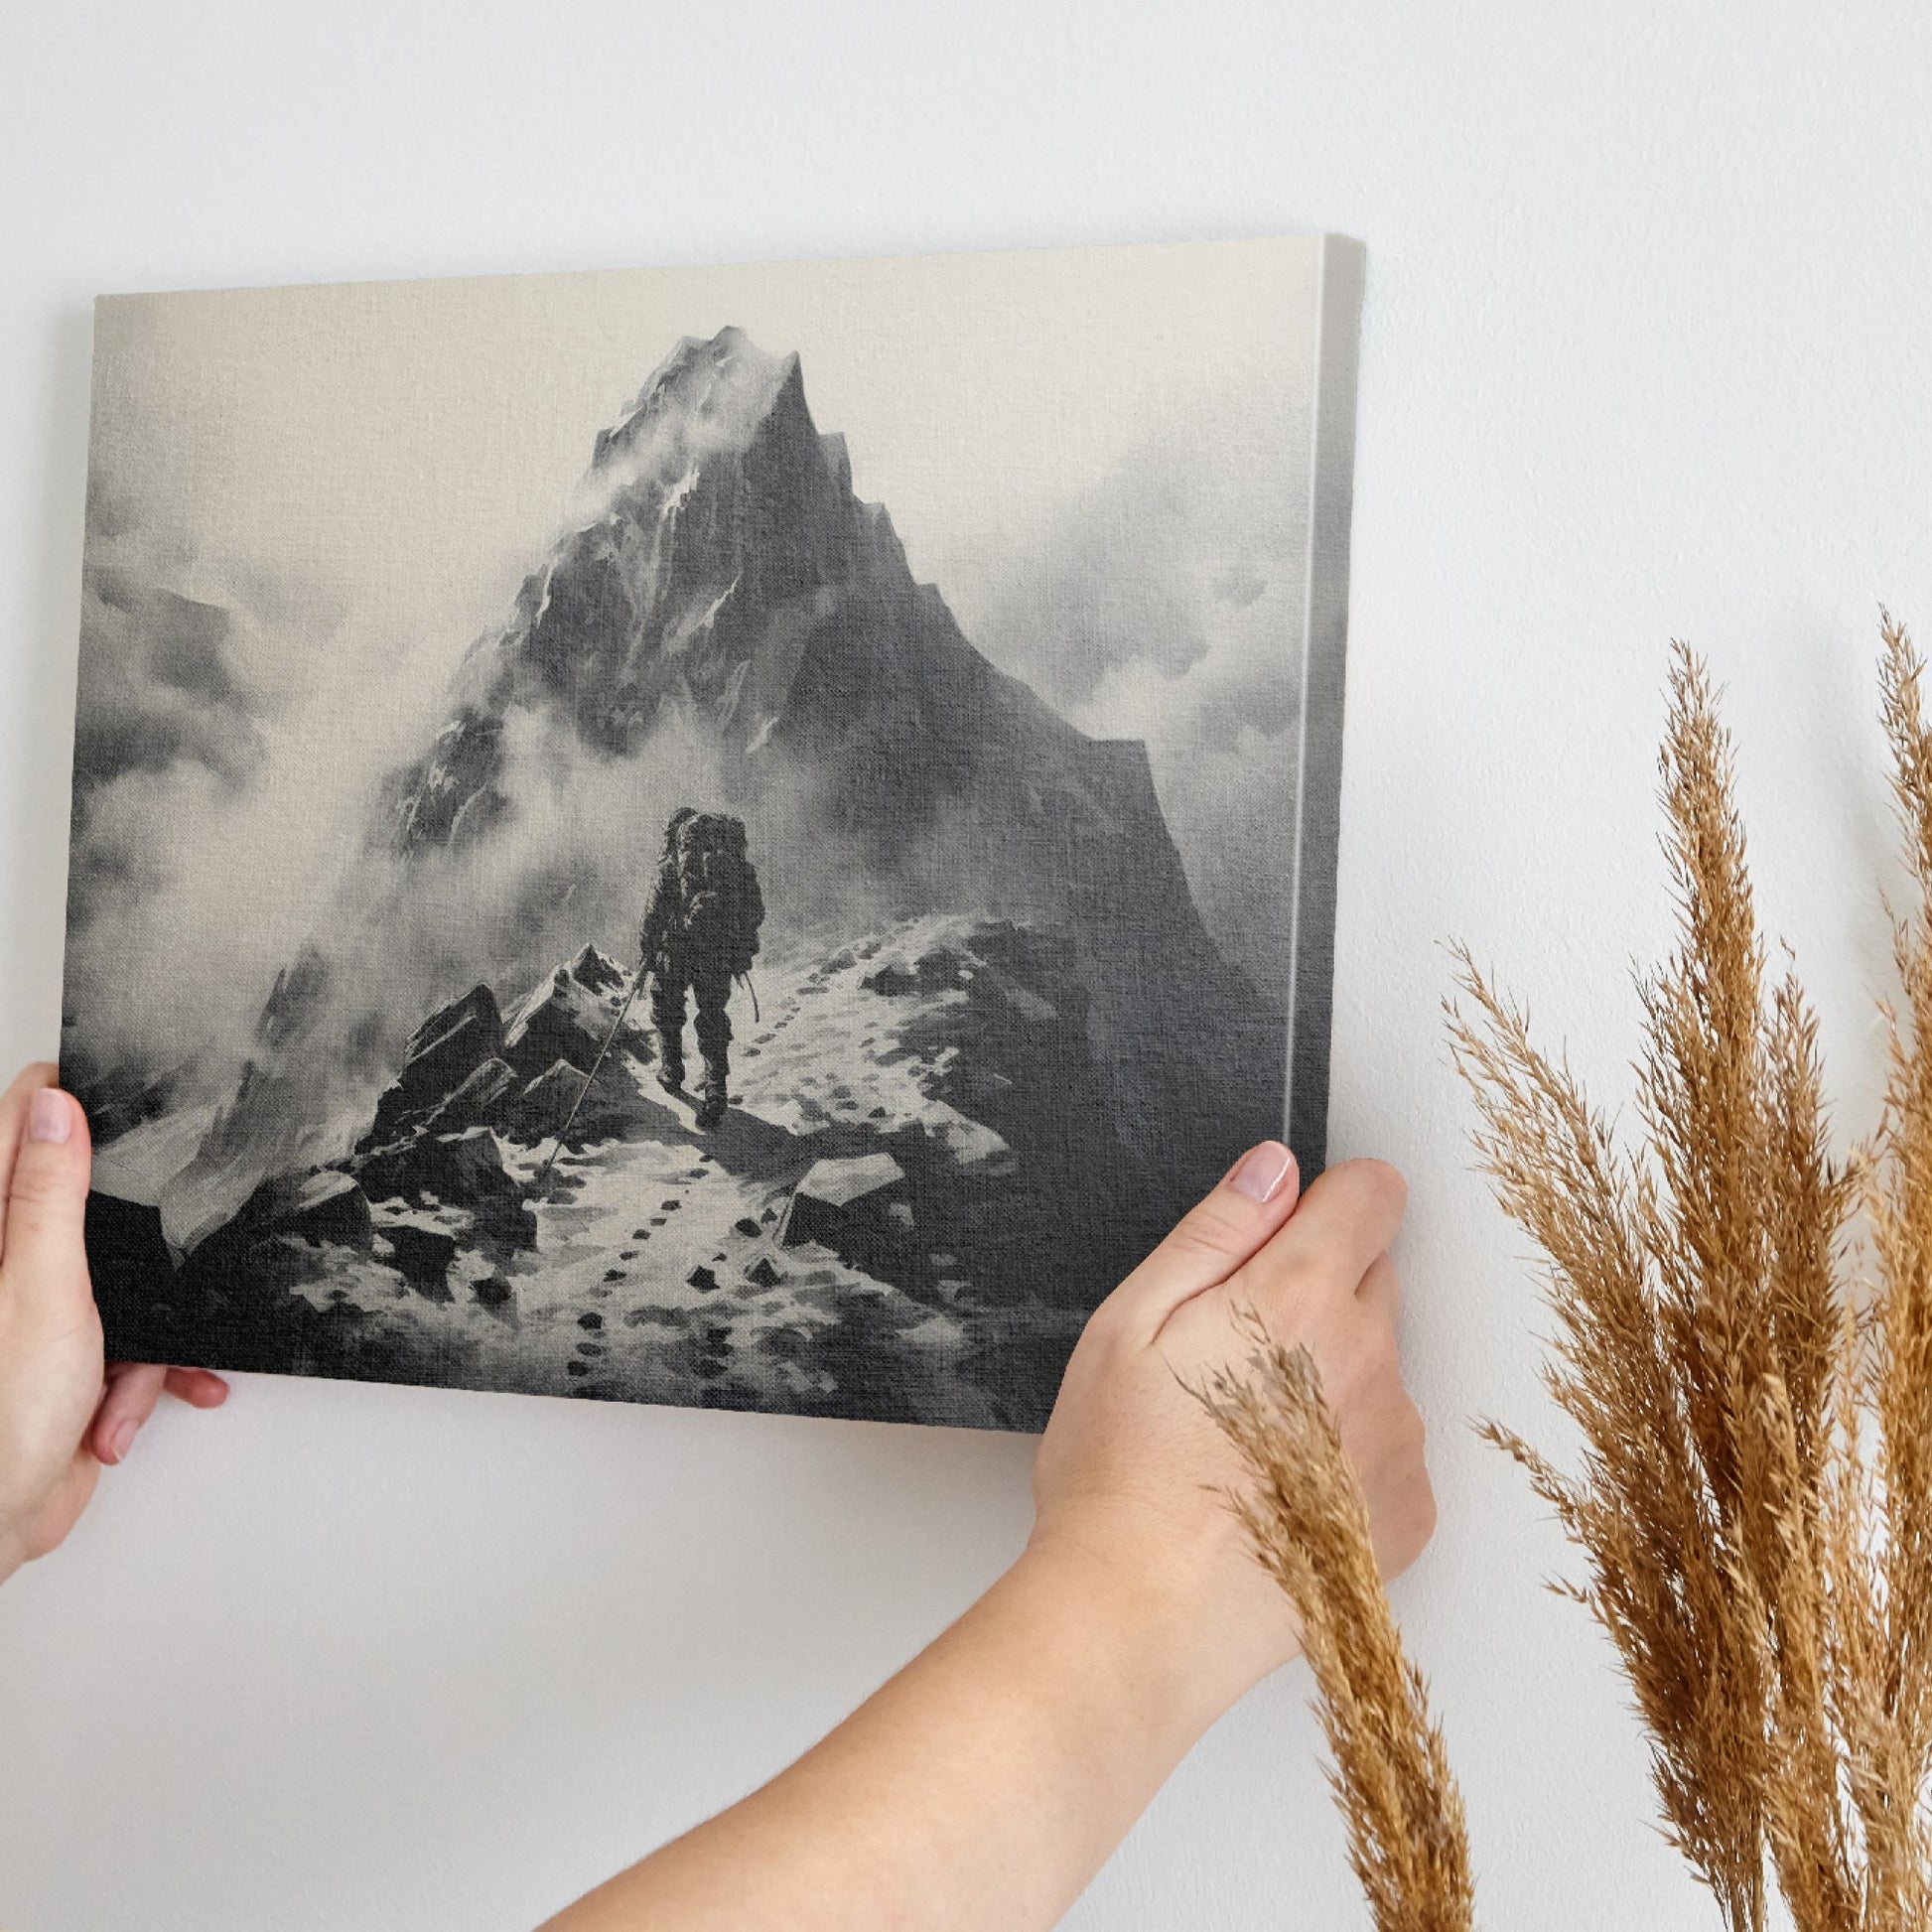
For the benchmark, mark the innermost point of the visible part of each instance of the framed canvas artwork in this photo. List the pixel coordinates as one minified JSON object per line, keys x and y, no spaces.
{"x":744,"y":837}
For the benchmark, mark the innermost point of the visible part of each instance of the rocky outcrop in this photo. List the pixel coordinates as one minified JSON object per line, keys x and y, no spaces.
{"x":569,"y":1016}
{"x":478,"y":1099}
{"x":856,"y":1207}
{"x":422,"y":1255}
{"x":325,"y":1205}
{"x":433,"y":1148}
{"x":468,"y":1067}
{"x":539,"y":1111}
{"x":286,"y":1230}
{"x":464,"y":1173}
{"x":452,"y":1045}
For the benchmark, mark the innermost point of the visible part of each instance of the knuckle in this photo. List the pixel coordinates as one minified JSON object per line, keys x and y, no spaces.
{"x":1380,"y":1185}
{"x":1207,"y":1233}
{"x":1101,"y":1328}
{"x":46,"y":1190}
{"x":1385,"y":1283}
{"x":1287,"y":1284}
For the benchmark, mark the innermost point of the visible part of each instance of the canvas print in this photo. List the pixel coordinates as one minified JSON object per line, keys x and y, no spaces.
{"x":744,"y":837}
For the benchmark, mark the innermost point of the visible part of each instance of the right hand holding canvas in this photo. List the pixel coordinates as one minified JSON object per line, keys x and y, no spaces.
{"x":65,"y":1411}
{"x":1131,"y":1473}
{"x":986,"y":1783}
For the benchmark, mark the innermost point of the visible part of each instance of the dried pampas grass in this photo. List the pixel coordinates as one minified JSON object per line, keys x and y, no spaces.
{"x":1754,"y":1391}
{"x":1754,"y":1497}
{"x":1307,"y":1522}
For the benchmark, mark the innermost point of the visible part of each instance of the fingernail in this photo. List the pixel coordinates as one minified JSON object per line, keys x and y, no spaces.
{"x":49,"y":1115}
{"x":122,"y":1440}
{"x":1262,"y":1171}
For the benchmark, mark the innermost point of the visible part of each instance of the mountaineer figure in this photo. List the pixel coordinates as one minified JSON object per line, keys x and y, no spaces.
{"x":700,"y":934}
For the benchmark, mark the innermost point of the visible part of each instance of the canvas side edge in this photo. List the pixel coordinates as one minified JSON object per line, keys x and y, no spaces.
{"x":1318,"y":820}
{"x":101,"y":302}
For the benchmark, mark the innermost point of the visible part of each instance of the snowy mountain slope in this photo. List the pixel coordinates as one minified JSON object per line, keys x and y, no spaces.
{"x":948,"y":1056}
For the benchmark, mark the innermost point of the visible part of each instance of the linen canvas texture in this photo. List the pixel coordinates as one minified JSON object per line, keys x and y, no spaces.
{"x":744,"y":837}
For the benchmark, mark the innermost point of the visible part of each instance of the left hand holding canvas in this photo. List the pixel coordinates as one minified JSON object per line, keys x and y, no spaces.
{"x":63,"y":1409}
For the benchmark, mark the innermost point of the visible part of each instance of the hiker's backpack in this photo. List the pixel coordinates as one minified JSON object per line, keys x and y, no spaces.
{"x":719,"y":892}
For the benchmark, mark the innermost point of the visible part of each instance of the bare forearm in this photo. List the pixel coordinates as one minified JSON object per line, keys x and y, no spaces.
{"x":983,"y":1785}
{"x":989,"y":1780}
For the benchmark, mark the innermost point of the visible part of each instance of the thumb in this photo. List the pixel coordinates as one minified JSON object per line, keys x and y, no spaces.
{"x":44,"y":1261}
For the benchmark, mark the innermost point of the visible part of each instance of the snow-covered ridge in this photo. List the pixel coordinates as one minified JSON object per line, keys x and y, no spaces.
{"x":899,"y":1215}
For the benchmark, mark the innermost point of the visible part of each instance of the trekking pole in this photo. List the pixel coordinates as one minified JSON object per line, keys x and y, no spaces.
{"x":591,"y":1076}
{"x":745,"y":980}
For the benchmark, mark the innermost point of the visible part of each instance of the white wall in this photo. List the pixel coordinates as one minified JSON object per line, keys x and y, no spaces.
{"x":1645,"y":354}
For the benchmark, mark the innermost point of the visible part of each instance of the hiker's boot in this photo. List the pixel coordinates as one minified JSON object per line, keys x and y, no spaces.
{"x":711,"y":1109}
{"x":671,"y":1071}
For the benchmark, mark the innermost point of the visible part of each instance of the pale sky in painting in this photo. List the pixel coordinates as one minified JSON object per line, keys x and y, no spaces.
{"x":1100,"y":456}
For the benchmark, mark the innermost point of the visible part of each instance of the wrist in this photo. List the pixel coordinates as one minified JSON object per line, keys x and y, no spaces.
{"x":1162,"y":1633}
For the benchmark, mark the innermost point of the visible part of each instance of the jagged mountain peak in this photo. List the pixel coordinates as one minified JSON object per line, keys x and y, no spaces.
{"x":707,"y":396}
{"x":718,"y":541}
{"x":726,"y":574}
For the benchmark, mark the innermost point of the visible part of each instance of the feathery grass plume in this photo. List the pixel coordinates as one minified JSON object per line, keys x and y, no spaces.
{"x":1306,"y":1519}
{"x":1888,"y":1699}
{"x":1754,"y":1495}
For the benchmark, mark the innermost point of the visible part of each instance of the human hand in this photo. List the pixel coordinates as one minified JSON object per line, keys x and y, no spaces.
{"x":64,"y":1410}
{"x":1042,"y":1721}
{"x":1130,"y":1477}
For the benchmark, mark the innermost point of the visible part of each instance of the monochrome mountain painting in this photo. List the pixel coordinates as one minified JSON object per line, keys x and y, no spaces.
{"x":743,"y":837}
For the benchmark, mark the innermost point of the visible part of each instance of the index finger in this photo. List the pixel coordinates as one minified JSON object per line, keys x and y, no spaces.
{"x":1346,"y":1220}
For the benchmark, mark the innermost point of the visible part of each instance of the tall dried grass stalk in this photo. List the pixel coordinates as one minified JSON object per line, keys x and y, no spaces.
{"x":1306,"y":1519}
{"x":1754,"y":1493}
